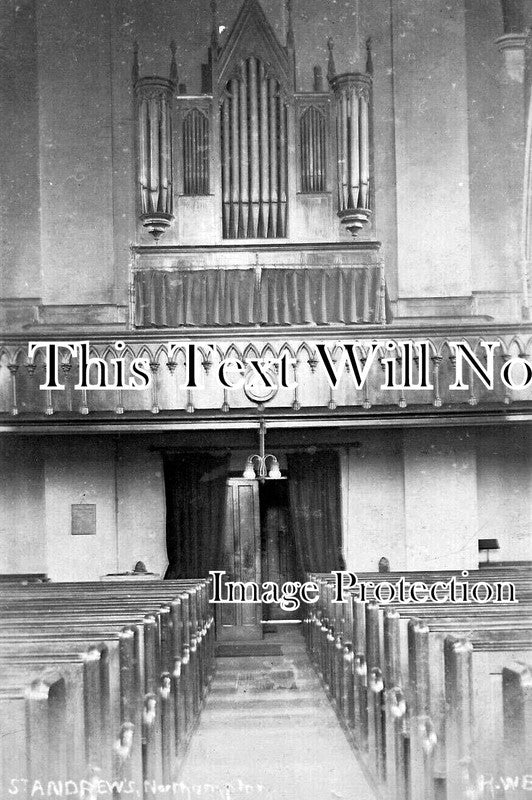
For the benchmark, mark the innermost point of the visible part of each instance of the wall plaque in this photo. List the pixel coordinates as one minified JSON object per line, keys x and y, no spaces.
{"x":83,"y":519}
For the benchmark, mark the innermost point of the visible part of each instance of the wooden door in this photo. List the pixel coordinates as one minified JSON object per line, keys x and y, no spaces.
{"x":242,"y":559}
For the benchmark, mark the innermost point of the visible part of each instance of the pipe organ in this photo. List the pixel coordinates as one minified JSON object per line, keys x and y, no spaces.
{"x":254,"y":154}
{"x":249,"y":137}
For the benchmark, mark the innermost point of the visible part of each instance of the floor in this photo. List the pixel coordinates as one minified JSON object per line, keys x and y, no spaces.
{"x":268,"y":732}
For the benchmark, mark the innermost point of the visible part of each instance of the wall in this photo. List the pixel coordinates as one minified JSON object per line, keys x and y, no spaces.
{"x":505,"y":491}
{"x":440,"y":499}
{"x":423,"y":498}
{"x":19,"y":148}
{"x":141,"y":507}
{"x":79,"y":471}
{"x":373,"y":485}
{"x":495,"y":117}
{"x":22,"y":531}
{"x":75,"y":151}
{"x":432,"y":174}
{"x":42,"y":478}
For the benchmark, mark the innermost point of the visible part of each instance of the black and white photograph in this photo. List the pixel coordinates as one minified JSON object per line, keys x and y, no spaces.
{"x":265,"y":399}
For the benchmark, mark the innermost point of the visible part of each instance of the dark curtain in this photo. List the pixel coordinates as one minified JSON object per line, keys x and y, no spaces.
{"x":320,"y":296}
{"x":317,"y":296}
{"x":195,"y":505}
{"x":176,"y":298}
{"x":314,"y":494}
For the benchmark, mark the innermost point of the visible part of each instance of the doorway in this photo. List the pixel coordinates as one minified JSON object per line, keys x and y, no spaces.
{"x":258,"y":547}
{"x":278,"y":552}
{"x":252,"y":530}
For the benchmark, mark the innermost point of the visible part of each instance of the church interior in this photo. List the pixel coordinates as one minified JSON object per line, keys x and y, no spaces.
{"x":219,"y":198}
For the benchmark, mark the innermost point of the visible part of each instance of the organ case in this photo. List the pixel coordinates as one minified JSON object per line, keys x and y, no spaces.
{"x":250,"y":158}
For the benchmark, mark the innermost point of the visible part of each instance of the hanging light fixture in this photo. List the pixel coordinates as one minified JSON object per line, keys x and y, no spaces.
{"x":257,"y":464}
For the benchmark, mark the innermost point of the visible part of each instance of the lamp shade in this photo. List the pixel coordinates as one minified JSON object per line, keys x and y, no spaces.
{"x":274,"y":471}
{"x":249,"y":471}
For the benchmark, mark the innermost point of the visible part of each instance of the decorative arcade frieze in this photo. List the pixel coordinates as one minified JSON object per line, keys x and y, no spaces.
{"x":327,"y":377}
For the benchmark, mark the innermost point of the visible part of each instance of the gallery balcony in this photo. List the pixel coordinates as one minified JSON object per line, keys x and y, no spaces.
{"x":289,"y":355}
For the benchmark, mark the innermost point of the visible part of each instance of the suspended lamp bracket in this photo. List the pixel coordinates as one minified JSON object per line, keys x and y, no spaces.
{"x":262,"y":466}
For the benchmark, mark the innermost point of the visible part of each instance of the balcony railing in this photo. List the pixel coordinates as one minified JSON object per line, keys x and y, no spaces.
{"x":327,"y":376}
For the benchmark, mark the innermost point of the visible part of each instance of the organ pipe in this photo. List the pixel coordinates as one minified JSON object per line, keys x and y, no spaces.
{"x":312,"y":146}
{"x":364,"y":147}
{"x":352,"y":93}
{"x":283,"y":164}
{"x":323,"y":153}
{"x":314,"y":163}
{"x":196,"y":153}
{"x":143,"y":155}
{"x":235,"y":159}
{"x":355,"y":176}
{"x":163,"y":154}
{"x":344,"y":151}
{"x":264,"y":151}
{"x":154,"y":174}
{"x":226,"y":170}
{"x":254,"y":146}
{"x":244,"y":153}
{"x":272,"y":91}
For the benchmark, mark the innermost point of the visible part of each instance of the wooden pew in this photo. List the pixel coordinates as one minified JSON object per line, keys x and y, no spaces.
{"x":198,"y":614}
{"x":113,"y":688}
{"x":159,"y":587}
{"x":517,"y":705}
{"x":161,"y":643}
{"x":420,"y":739}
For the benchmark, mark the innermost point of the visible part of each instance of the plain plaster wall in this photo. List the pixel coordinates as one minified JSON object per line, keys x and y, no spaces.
{"x":431,"y":148}
{"x":19,"y":152}
{"x":22,"y":506}
{"x":505,"y":491}
{"x":423,"y":498}
{"x":374,"y":514}
{"x":80,"y":471}
{"x":495,"y":116}
{"x":76,"y":132}
{"x":141,"y":507}
{"x":440,"y":499}
{"x":41,"y":478}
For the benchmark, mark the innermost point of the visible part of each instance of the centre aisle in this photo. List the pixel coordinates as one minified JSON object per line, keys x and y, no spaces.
{"x":268,"y":732}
